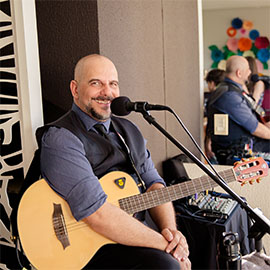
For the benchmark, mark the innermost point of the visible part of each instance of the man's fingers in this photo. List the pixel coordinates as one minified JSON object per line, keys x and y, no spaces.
{"x":167,"y":234}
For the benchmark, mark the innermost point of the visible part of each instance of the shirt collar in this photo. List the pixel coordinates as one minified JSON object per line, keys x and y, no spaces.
{"x":233,"y":82}
{"x":87,"y":120}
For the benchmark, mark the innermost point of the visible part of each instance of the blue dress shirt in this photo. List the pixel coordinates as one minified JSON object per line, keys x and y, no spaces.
{"x":236,"y":107}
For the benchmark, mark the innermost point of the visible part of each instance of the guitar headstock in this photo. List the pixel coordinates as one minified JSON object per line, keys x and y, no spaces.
{"x":250,"y":170}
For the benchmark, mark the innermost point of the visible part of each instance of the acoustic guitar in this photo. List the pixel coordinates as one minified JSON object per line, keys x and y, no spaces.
{"x":52,"y":239}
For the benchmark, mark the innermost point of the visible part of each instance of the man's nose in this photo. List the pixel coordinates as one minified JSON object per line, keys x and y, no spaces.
{"x":106,"y":89}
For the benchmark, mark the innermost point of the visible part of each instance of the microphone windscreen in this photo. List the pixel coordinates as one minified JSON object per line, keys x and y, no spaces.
{"x":254,"y":77}
{"x":119,"y":106}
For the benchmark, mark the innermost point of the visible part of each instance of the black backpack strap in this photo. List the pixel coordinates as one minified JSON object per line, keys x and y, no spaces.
{"x":220,"y":90}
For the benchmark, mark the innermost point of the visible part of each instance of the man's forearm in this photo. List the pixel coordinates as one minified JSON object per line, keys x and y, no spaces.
{"x":163,"y":215}
{"x":262,"y":131}
{"x":116,"y":225}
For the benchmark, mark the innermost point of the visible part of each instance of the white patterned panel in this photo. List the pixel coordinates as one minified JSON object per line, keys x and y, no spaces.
{"x":11,"y":146}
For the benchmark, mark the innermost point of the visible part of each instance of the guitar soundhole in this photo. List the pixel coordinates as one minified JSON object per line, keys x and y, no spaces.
{"x":59,"y":225}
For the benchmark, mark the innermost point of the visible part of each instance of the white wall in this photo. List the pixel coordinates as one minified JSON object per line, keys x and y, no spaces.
{"x":217,"y":21}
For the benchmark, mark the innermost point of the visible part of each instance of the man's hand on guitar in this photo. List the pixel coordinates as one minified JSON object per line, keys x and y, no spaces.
{"x":177,"y":246}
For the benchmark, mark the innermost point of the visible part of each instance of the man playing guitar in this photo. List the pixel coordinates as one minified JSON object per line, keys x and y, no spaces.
{"x":76,"y":152}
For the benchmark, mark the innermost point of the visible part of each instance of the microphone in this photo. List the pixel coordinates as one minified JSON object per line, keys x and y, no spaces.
{"x":256,"y":78}
{"x":122,"y":106}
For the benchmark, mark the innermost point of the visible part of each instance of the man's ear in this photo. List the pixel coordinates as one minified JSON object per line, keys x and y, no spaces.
{"x":238,"y":73}
{"x":74,"y":88}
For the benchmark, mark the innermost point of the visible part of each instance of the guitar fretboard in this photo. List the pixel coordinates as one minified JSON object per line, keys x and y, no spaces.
{"x":140,"y":202}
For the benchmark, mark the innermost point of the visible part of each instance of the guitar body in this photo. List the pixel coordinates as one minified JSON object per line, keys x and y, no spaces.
{"x":36,"y":227}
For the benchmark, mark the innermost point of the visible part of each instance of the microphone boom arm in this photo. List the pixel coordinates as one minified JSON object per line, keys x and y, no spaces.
{"x":261,"y":225}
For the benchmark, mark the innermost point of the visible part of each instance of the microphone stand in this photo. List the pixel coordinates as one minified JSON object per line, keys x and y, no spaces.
{"x":261,"y":224}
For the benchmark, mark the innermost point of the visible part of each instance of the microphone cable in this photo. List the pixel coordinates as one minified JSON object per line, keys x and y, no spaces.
{"x":122,"y":106}
{"x":195,"y":143}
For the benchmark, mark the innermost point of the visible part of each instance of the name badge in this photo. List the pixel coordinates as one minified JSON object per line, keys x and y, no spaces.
{"x":221,"y":124}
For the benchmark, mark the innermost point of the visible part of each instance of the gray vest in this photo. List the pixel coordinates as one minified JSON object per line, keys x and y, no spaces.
{"x":102,"y":154}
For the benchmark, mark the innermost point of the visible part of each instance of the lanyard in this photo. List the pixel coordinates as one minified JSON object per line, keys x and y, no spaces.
{"x":127,"y":150}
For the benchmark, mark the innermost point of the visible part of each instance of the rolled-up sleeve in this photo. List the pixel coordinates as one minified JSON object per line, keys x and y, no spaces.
{"x":149,"y":173}
{"x":67,"y":170}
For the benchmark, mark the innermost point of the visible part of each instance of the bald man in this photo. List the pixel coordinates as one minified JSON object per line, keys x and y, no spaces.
{"x":75,"y":154}
{"x":233,"y":123}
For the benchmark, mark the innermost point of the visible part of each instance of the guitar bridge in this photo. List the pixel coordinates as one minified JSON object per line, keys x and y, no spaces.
{"x":59,"y":225}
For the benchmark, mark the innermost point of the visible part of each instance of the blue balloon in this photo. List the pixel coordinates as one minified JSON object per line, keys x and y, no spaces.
{"x":263,"y":55}
{"x":237,"y":23}
{"x":217,"y":55}
{"x":253,"y":34}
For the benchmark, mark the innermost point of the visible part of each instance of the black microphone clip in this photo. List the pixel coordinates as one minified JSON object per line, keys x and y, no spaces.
{"x":122,"y":106}
{"x":143,"y":106}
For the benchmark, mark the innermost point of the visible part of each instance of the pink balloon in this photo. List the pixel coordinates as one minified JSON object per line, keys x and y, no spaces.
{"x":232,"y":44}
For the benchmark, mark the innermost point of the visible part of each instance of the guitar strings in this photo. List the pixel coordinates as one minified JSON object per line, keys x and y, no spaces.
{"x":140,"y":202}
{"x":73,"y":225}
{"x":132,"y":204}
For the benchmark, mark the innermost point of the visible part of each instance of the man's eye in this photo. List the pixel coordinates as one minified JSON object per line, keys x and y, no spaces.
{"x":114,"y":84}
{"x":95,"y":83}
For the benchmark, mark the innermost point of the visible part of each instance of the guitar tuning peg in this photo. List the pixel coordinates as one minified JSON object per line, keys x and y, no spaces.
{"x":236,"y":162}
{"x":258,"y":180}
{"x":243,"y":183}
{"x":252,"y":181}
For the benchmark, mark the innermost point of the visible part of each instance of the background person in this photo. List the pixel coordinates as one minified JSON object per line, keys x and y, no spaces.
{"x":213,"y":78}
{"x":242,"y":130}
{"x":259,"y":89}
{"x":256,"y":89}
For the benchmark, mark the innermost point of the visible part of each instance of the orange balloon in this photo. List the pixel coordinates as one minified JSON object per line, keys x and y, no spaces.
{"x":244,"y":44}
{"x":247,"y":25}
{"x":231,"y":32}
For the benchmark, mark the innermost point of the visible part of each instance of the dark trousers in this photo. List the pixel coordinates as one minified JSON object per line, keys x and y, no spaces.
{"x":116,"y":256}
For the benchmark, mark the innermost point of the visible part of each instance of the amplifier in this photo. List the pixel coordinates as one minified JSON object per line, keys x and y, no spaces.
{"x":215,"y":205}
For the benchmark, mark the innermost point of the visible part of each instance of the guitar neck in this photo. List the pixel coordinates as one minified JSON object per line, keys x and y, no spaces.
{"x":140,"y":202}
